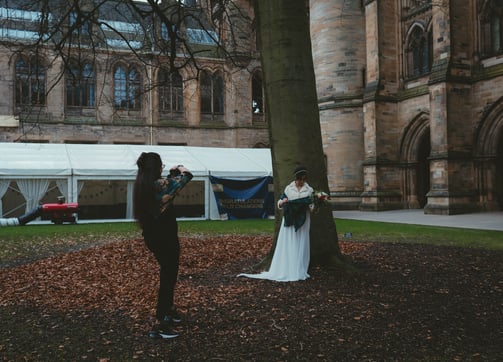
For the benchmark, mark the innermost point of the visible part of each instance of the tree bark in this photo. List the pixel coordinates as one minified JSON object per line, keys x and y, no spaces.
{"x":293,"y":116}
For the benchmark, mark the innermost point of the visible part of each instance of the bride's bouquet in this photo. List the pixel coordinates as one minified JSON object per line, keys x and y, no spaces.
{"x":319,"y":199}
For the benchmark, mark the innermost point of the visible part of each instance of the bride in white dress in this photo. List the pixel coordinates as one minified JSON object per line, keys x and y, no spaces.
{"x":291,"y":255}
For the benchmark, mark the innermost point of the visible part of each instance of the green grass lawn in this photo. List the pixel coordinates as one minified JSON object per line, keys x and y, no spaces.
{"x":31,"y":241}
{"x":420,"y":234}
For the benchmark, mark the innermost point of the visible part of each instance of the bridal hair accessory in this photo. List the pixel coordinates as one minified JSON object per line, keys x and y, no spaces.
{"x":300,"y":171}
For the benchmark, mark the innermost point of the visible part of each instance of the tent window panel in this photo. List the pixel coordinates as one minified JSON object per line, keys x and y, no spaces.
{"x":52,"y":194}
{"x":190,"y":202}
{"x":13,"y":202}
{"x":103,"y":199}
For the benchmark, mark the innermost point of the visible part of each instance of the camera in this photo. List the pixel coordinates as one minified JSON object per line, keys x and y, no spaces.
{"x":175,"y":172}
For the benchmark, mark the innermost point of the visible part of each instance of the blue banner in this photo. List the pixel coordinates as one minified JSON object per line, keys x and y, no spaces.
{"x":244,"y":199}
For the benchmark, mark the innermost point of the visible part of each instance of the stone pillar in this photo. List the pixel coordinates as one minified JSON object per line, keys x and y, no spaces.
{"x":104,"y":90}
{"x":7,"y":88}
{"x":338,"y":43}
{"x":56,"y":89}
{"x":191,"y":98}
{"x":452,"y":172}
{"x":381,"y":166}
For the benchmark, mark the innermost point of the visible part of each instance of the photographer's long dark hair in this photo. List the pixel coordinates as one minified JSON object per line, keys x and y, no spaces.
{"x":144,"y":203}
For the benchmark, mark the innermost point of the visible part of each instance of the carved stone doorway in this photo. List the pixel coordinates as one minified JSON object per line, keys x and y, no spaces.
{"x":489,"y":158}
{"x":499,"y":173}
{"x":415,"y":151}
{"x":423,"y":169}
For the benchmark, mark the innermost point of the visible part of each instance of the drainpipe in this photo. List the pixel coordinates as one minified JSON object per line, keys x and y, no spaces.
{"x":150,"y":106}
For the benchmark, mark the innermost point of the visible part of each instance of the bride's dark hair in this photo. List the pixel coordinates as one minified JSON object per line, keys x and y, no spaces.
{"x":300,"y":171}
{"x":145,"y":205}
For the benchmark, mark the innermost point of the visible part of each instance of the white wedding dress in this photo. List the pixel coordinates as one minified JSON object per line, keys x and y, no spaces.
{"x":292,"y":254}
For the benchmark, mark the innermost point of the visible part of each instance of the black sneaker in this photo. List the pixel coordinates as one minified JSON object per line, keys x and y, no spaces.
{"x":162,"y":332}
{"x":172,"y":317}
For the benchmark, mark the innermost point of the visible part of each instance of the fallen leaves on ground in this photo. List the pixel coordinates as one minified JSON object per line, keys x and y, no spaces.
{"x":410,"y":302}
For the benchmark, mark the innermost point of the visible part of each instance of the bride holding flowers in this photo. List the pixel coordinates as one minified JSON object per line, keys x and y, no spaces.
{"x":290,"y":261}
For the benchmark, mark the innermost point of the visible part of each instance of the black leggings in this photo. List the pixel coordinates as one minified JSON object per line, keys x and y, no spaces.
{"x":162,"y":240}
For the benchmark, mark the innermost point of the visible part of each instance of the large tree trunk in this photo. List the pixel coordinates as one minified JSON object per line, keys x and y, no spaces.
{"x":292,"y":110}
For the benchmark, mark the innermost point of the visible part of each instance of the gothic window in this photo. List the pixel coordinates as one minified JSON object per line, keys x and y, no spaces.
{"x":414,"y":4}
{"x":121,"y":34}
{"x":189,"y":2}
{"x":170,"y":36}
{"x":127,"y":88}
{"x":164,"y":32}
{"x":217,"y":11}
{"x":212,"y":93}
{"x":419,"y":52}
{"x":491,"y":28}
{"x":257,"y":94}
{"x":170,"y":92}
{"x":80,"y":23}
{"x":80,"y":26}
{"x":165,"y":35}
{"x":80,"y":85}
{"x":30,"y":82}
{"x":22,"y":24}
{"x":202,"y":36}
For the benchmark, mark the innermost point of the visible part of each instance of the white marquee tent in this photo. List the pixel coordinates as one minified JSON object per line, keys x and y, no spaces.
{"x":34,"y":165}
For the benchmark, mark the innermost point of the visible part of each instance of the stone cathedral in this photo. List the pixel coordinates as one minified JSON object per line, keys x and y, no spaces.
{"x":411,"y":107}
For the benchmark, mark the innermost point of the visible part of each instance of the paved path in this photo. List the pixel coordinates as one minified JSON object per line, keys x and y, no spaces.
{"x":482,"y":221}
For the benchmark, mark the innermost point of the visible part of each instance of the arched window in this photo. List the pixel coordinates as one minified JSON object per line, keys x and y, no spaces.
{"x":170,"y":92}
{"x":212,"y":94}
{"x":218,"y":93}
{"x":189,"y":2}
{"x":30,"y":82}
{"x":419,"y":52}
{"x":127,"y":88}
{"x":491,"y":28}
{"x":80,"y":85}
{"x":257,"y":94}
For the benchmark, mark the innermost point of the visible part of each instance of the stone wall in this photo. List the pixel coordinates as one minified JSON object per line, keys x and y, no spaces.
{"x":375,"y":131}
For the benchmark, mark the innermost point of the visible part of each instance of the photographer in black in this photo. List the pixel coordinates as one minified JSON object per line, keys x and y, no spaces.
{"x":153,"y":209}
